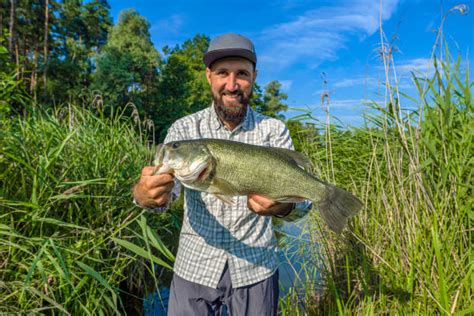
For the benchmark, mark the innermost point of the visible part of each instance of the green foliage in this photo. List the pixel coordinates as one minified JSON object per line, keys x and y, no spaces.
{"x":256,"y":101}
{"x":12,"y":92}
{"x":127,"y":68}
{"x":54,"y":44}
{"x":72,"y":242}
{"x":79,"y":30}
{"x":408,"y":252}
{"x":273,"y":99}
{"x":183,"y":88}
{"x":65,"y":196}
{"x":303,"y":134}
{"x":270,"y":101}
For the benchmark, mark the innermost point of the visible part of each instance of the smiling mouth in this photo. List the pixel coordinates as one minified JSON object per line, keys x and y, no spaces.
{"x":234,"y":96}
{"x":232,"y":99}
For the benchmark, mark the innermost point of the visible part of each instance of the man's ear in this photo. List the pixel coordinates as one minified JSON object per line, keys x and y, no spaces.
{"x":255,"y":75}
{"x":208,"y":74}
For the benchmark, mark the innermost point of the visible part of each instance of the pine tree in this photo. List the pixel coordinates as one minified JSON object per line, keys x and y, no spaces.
{"x":272,"y":103}
{"x":127,"y":68}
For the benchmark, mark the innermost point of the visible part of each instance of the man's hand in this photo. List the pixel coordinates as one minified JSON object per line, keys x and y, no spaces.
{"x":262,"y":205}
{"x":153,"y":190}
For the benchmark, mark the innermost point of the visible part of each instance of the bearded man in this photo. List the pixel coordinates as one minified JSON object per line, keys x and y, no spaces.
{"x":227,"y":254}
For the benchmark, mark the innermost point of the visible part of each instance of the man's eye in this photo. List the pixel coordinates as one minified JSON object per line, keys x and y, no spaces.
{"x":243,"y":74}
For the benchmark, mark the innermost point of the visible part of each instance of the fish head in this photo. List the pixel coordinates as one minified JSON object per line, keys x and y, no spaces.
{"x":190,"y":161}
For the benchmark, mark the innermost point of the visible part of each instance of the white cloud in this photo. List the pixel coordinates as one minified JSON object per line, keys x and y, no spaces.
{"x":354,"y":120}
{"x":286,"y":85}
{"x":171,"y":25}
{"x":347,"y":103}
{"x":318,"y":34}
{"x":353,"y":82}
{"x":423,"y":65}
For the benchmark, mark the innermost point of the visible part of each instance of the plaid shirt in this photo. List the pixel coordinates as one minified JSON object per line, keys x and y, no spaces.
{"x":214,"y":233}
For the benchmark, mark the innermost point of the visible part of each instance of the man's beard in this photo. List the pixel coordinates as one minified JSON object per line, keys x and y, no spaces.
{"x":234,"y":111}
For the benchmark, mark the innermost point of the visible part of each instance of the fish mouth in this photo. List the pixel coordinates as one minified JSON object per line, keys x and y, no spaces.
{"x":203,"y":173}
{"x":195,"y":172}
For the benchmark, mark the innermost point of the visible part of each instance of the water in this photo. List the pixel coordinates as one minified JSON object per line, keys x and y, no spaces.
{"x":299,"y":265}
{"x":298,"y":268}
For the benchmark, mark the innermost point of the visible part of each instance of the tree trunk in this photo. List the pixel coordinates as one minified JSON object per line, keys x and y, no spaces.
{"x":45,"y":51}
{"x":17,"y":60}
{"x":1,"y":25}
{"x":34,"y":72}
{"x":23,"y":53}
{"x":12,"y":25}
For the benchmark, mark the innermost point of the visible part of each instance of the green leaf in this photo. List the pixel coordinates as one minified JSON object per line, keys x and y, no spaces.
{"x":94,"y":274}
{"x":158,"y":244}
{"x":141,"y":252}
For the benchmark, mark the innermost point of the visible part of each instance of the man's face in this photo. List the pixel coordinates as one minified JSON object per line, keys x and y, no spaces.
{"x":231,"y":81}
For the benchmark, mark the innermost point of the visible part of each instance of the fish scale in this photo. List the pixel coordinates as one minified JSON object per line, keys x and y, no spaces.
{"x":228,"y":168}
{"x":258,"y":175}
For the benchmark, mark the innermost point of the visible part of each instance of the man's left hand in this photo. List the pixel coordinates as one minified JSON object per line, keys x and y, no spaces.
{"x":265,"y":206}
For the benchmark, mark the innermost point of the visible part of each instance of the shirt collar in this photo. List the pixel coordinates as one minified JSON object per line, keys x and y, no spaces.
{"x":247,"y":124}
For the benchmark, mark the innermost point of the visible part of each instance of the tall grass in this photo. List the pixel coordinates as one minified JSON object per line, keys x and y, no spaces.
{"x":66,"y":216}
{"x":71,"y":241}
{"x":408,"y":252}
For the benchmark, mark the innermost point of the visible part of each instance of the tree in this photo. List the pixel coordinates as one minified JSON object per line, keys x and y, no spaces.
{"x":55,"y":40}
{"x":79,"y":33}
{"x":256,"y":101}
{"x":127,"y":68}
{"x":270,"y":102}
{"x":183,"y":88}
{"x":273,"y":100}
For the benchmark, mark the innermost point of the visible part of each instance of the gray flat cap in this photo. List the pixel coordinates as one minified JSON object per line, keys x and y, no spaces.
{"x":230,"y":45}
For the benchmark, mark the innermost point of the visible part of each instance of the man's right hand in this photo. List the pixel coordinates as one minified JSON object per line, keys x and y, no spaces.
{"x":153,"y":190}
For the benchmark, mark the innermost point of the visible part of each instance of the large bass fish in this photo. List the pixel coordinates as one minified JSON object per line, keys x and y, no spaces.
{"x":227,"y":168}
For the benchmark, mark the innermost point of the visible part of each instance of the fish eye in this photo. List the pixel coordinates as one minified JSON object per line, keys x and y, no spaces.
{"x":175,"y":145}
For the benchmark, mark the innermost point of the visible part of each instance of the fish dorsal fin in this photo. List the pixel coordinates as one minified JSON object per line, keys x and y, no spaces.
{"x":295,"y":157}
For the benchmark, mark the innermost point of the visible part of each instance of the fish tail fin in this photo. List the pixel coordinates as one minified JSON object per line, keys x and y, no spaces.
{"x":337,"y":207}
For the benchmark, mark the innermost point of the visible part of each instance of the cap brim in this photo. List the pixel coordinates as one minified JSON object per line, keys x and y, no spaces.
{"x":214,"y":55}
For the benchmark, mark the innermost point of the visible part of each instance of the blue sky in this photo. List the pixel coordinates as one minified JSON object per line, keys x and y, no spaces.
{"x":303,"y":43}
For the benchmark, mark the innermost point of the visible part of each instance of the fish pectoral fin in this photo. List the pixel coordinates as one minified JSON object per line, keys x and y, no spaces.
{"x":289,"y":199}
{"x":296,"y":157}
{"x":222,"y":187}
{"x":227,"y":199}
{"x":223,"y":190}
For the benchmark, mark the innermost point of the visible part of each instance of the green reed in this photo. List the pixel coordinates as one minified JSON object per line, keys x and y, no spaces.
{"x":67,"y":223}
{"x":73,"y":243}
{"x":408,"y":252}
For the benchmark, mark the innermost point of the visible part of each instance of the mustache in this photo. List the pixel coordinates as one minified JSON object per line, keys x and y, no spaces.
{"x":232,"y":93}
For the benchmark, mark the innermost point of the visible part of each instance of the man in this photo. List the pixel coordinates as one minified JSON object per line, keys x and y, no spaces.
{"x":227,"y":254}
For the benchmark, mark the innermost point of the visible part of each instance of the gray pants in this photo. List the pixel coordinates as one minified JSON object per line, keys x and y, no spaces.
{"x":188,"y":298}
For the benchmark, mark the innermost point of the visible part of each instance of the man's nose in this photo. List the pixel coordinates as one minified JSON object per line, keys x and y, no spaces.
{"x":231,"y":83}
